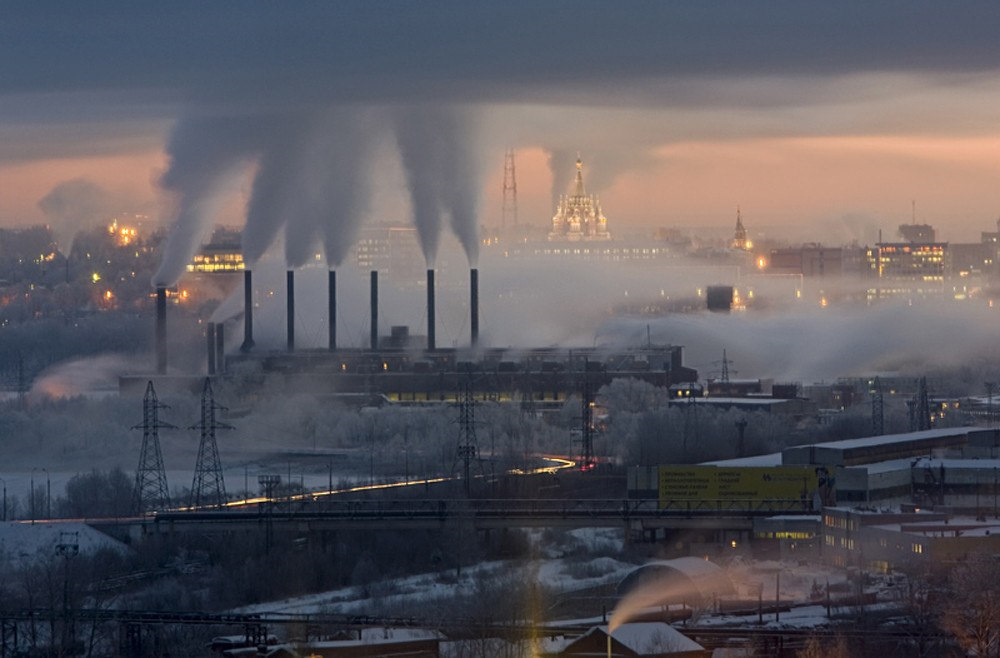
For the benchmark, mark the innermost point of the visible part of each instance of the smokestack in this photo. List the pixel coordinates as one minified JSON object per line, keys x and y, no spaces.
{"x":430,"y":310}
{"x":247,"y":311}
{"x":210,"y":343}
{"x":290,"y":312}
{"x":161,"y":330}
{"x":474,"y":304}
{"x":332,"y":308}
{"x":220,"y":348}
{"x":374,"y":302}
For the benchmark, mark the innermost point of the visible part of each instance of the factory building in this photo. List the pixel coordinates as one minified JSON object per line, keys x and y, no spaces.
{"x":887,"y":540}
{"x":947,"y":471}
{"x":543,"y":376}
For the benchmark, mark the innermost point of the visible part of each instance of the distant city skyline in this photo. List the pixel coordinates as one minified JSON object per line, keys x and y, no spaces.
{"x":828,"y":122}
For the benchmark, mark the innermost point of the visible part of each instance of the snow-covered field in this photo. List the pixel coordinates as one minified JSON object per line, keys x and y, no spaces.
{"x":23,"y":542}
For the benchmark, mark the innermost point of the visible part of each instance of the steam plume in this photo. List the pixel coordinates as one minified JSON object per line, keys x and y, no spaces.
{"x":204,"y":154}
{"x":437,"y":155}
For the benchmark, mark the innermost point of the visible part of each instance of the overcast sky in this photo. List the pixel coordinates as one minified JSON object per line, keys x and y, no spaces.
{"x":826,"y":117}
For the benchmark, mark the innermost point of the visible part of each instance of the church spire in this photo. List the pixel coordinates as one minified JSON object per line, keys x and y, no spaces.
{"x":579,"y":176}
{"x":740,"y":237}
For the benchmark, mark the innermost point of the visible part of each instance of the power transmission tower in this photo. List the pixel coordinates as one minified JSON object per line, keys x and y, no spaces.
{"x":208,"y":487}
{"x":724,"y":378}
{"x":508,"y":216}
{"x":920,"y":408}
{"x":150,"y":491}
{"x":878,"y":409}
{"x":467,"y":423}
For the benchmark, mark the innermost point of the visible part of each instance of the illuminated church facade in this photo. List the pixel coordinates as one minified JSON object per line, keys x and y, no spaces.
{"x":578,"y":216}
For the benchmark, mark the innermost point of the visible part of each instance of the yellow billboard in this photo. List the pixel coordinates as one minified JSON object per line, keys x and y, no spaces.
{"x":751,"y":483}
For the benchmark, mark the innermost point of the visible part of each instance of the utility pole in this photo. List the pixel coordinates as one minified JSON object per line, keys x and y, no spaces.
{"x":150,"y":491}
{"x":921,"y":407}
{"x":508,"y":215}
{"x":587,"y":422}
{"x":741,"y":428}
{"x":208,"y":486}
{"x":990,"y":386}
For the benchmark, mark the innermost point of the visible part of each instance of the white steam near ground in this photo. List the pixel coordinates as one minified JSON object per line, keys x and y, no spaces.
{"x":814,"y":344}
{"x":539,"y":303}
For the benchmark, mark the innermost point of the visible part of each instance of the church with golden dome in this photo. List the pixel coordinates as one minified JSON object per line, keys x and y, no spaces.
{"x":579,"y":217}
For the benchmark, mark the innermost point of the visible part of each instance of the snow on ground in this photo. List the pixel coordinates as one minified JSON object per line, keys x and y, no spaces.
{"x":565,"y":563}
{"x":555,"y":574}
{"x":24,"y":542}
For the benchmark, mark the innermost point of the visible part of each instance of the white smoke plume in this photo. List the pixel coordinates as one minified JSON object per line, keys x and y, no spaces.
{"x":435,"y":145}
{"x":75,"y":205}
{"x":335,"y":186}
{"x":205,"y":153}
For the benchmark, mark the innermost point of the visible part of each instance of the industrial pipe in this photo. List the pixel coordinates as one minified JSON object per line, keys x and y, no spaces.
{"x":210,"y":344}
{"x":290,"y":308}
{"x":247,"y":311}
{"x":332,"y":309}
{"x":430,"y":310}
{"x":161,"y":330}
{"x":374,"y":303}
{"x":474,"y":304}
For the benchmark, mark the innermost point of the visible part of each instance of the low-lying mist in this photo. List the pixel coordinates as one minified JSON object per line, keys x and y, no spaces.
{"x":574,"y":303}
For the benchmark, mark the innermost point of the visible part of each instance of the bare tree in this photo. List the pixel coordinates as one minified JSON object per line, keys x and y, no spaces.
{"x":972,"y":605}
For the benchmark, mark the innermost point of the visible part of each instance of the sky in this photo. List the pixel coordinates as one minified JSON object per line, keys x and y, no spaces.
{"x":822,"y":121}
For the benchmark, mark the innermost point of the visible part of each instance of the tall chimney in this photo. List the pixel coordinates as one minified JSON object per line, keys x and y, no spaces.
{"x":332,"y":308}
{"x":290,"y":312}
{"x":247,"y":311}
{"x":220,"y":348}
{"x":474,"y":304}
{"x":210,"y":343}
{"x":430,"y":310}
{"x":374,"y":302}
{"x":161,"y":330}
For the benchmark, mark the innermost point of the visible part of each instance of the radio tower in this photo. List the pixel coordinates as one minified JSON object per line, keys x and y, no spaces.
{"x":878,"y":409}
{"x":150,"y":491}
{"x":508,"y":215}
{"x":208,"y":487}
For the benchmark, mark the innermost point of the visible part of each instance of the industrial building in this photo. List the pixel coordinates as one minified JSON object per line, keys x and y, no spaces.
{"x":881,"y":540}
{"x":949,"y":471}
{"x":407,"y":368}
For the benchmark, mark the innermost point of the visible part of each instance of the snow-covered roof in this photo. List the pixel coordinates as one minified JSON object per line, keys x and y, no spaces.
{"x":771,"y":459}
{"x":756,"y":402}
{"x":924,"y":462}
{"x":705,"y":577}
{"x":648,"y":638}
{"x":887,"y":439}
